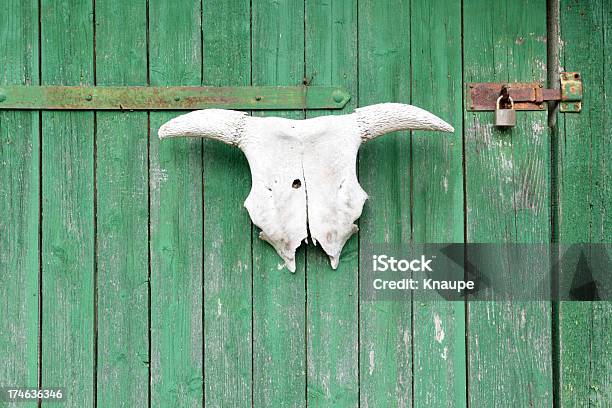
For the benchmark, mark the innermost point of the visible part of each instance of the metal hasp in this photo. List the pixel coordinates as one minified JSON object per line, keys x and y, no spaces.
{"x":527,"y":96}
{"x":171,"y":98}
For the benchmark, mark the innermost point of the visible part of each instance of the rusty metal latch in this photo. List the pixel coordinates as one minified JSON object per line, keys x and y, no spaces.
{"x":527,"y":96}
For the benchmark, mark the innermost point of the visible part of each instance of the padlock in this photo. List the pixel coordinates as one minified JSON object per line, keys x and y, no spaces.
{"x":505,"y":117}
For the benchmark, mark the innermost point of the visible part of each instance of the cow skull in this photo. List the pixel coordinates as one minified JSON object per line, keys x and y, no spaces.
{"x":303,"y":171}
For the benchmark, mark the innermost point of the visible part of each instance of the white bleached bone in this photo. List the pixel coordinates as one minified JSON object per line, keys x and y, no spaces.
{"x":303,"y":174}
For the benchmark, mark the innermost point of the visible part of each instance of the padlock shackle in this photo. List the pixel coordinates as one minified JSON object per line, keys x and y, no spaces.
{"x":500,"y":98}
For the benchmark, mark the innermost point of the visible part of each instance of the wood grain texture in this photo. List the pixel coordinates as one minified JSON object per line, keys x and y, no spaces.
{"x":385,"y":333}
{"x":175,"y":183}
{"x":227,"y":228}
{"x":68,"y":207}
{"x":122,"y":211}
{"x":19,"y":201}
{"x":332,"y":296}
{"x":437,"y":203}
{"x":228,"y":328}
{"x":508,"y":200}
{"x":279,"y":316}
{"x":585,"y":200}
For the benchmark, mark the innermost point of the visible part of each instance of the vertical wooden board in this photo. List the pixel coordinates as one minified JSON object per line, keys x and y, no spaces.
{"x":507,"y":193}
{"x":385,"y":333}
{"x":585,"y":359}
{"x":175,"y":188}
{"x":332,"y":301}
{"x":279,"y":370}
{"x":439,"y":325}
{"x":122,"y":211}
{"x":600,"y":383}
{"x":68,"y":207}
{"x":585,"y":191}
{"x":227,"y":244}
{"x":19,"y":201}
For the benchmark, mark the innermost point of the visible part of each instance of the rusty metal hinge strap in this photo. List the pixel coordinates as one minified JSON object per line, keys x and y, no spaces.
{"x":171,"y":98}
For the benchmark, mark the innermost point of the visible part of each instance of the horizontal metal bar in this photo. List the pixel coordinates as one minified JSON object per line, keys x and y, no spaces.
{"x":482,"y":96}
{"x":171,"y":98}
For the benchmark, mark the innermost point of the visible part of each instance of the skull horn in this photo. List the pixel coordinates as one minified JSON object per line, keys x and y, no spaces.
{"x":377,"y":120}
{"x":219,"y":124}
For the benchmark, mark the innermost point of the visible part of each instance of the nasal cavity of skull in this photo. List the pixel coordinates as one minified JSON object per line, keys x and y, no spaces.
{"x":296,"y":184}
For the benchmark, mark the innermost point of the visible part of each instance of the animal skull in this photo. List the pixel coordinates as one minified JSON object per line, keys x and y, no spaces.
{"x":303,"y":171}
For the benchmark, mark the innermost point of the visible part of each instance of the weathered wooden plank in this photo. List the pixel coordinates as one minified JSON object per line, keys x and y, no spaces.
{"x":175,"y":188}
{"x":332,"y":301}
{"x":279,"y":371}
{"x":171,"y":97}
{"x":227,"y":228}
{"x":507,"y":193}
{"x":585,"y":191}
{"x":437,"y":212}
{"x":68,"y":206}
{"x":122,"y":211}
{"x":384,"y":168}
{"x":19,"y":202}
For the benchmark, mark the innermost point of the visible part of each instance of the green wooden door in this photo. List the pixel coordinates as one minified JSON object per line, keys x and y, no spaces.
{"x":131,"y":275}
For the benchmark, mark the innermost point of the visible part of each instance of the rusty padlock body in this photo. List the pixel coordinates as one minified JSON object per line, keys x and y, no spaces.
{"x":505,"y":117}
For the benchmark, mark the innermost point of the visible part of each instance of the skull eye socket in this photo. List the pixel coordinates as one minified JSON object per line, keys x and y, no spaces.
{"x":296,"y":183}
